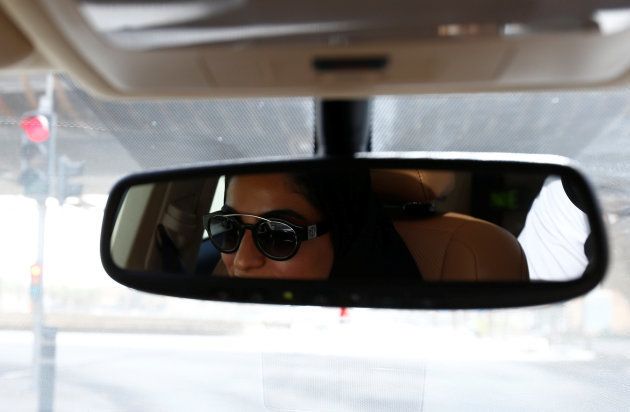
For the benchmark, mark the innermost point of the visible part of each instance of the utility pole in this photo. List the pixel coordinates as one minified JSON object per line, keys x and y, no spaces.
{"x":38,"y":176}
{"x":46,"y":337}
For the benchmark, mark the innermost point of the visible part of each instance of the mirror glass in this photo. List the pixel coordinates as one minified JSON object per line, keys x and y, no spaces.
{"x":429,"y":225}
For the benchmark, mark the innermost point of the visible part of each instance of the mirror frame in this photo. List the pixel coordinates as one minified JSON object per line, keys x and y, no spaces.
{"x":338,"y":293}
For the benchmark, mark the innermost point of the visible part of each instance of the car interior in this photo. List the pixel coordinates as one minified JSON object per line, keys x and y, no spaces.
{"x":479,"y":218}
{"x":447,"y":245}
{"x":117,"y":50}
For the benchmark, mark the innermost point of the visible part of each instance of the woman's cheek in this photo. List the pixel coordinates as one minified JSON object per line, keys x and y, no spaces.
{"x":228,"y":261}
{"x":313,"y":261}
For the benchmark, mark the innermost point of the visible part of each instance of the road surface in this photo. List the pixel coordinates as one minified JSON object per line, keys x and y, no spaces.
{"x":259,"y":371}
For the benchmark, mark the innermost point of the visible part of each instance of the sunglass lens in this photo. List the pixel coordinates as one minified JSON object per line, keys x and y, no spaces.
{"x":276,"y":239}
{"x":224,"y":233}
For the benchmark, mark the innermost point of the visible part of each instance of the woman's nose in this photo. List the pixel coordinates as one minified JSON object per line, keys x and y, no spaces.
{"x":248,"y":257}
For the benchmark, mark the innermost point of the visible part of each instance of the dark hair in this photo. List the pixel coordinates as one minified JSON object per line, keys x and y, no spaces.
{"x":342,"y":201}
{"x":365,"y":242}
{"x":341,"y":198}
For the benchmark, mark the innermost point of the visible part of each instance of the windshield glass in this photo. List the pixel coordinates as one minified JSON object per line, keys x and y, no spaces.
{"x":111,"y":348}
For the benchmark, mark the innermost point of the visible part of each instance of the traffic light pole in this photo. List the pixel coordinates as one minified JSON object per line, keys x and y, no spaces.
{"x":37,"y":286}
{"x":44,"y":177}
{"x":44,"y":337}
{"x":46,"y":106}
{"x":44,"y":348}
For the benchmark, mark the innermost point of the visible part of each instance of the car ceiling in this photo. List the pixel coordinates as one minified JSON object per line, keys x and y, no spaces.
{"x":220,"y":48}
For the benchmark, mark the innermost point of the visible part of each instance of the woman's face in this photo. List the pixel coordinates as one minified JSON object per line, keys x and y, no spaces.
{"x":275,"y":195}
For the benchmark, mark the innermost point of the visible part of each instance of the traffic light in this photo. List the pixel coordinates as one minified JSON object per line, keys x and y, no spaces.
{"x":36,"y":280}
{"x":36,"y":127}
{"x":36,"y":274}
{"x":34,"y":154}
{"x":67,"y":170}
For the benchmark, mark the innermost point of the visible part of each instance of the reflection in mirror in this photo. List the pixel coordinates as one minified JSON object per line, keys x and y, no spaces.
{"x":429,"y":225}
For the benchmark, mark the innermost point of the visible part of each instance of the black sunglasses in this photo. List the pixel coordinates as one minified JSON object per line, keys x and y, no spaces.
{"x":275,"y":238}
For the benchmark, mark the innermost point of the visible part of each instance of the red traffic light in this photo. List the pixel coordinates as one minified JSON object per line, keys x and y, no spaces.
{"x":36,"y":128}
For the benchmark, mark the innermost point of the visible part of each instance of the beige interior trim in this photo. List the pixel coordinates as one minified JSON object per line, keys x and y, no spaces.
{"x":38,"y":28}
{"x":17,"y":53}
{"x":132,"y":240}
{"x":565,"y":60}
{"x":14,"y":45}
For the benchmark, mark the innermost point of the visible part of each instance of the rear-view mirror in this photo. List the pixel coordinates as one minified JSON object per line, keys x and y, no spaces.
{"x":467,"y":231}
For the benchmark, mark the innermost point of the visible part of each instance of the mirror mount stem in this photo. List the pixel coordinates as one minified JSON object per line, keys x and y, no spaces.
{"x":343,"y":127}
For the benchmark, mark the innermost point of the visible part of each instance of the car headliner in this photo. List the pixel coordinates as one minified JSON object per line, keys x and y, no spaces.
{"x":454,"y":47}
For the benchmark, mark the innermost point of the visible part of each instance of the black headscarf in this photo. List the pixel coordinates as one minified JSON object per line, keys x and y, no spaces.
{"x":365,"y":242}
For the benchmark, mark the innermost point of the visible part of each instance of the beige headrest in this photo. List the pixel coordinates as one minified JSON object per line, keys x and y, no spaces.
{"x":411,"y":185}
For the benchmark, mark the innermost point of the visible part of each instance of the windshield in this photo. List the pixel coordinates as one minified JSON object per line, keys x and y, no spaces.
{"x":111,"y":348}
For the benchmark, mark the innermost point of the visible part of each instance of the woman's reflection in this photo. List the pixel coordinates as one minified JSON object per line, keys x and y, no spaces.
{"x":313,"y":226}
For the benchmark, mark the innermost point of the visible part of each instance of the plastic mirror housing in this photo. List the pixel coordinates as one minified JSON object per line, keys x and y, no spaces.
{"x":372,"y":293}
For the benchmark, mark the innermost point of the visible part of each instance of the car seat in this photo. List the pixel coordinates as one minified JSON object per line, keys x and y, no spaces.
{"x":448,"y":246}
